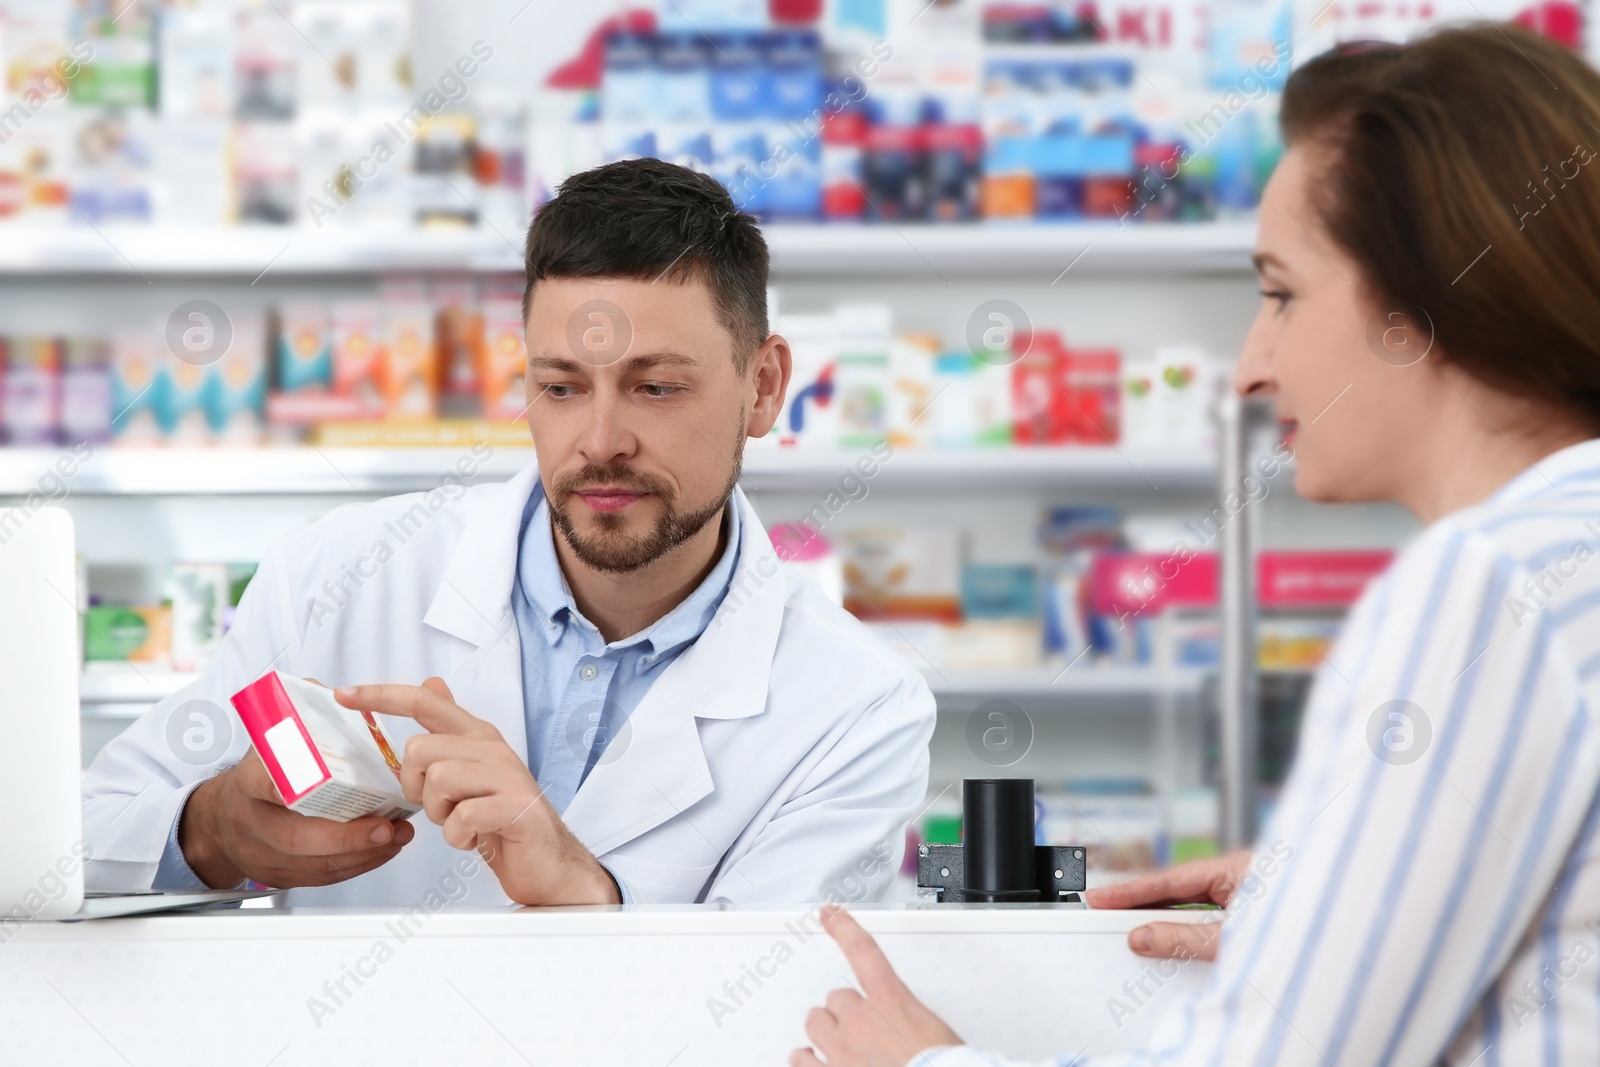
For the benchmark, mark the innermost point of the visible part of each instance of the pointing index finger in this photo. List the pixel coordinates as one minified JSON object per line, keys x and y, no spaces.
{"x":433,"y":712}
{"x":866,"y":959}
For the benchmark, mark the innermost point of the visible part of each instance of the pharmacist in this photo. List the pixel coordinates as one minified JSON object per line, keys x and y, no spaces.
{"x":604,"y":680}
{"x":1427,"y":890}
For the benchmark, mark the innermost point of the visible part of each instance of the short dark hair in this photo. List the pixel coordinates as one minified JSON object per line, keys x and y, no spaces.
{"x":647,"y":219}
{"x":1436,"y":150}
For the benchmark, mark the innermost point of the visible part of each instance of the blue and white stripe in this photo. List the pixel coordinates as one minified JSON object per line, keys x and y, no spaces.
{"x":1446,"y":909}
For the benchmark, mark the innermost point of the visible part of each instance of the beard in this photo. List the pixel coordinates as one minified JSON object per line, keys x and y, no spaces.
{"x":610,"y":548}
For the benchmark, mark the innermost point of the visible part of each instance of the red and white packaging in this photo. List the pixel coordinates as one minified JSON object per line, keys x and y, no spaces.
{"x":1039,"y":410}
{"x":326,"y":759}
{"x":1091,"y":383}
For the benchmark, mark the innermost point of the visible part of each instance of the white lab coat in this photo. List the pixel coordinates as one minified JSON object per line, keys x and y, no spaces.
{"x":776,"y":760}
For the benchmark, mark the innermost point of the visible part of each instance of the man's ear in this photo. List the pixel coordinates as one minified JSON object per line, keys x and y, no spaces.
{"x":768,"y":381}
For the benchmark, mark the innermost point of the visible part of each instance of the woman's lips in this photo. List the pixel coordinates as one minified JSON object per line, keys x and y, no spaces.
{"x":609,"y":500}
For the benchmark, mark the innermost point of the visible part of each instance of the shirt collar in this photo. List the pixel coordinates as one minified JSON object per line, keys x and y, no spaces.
{"x":545,"y":586}
{"x":1579,"y":462}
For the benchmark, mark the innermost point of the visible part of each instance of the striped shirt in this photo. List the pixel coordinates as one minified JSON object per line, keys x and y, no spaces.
{"x":1440,"y":899}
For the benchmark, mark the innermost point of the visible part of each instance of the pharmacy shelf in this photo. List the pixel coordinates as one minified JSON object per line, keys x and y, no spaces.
{"x":213,"y":471}
{"x":363,"y":471}
{"x":1044,"y":685}
{"x":129,"y":685}
{"x":940,"y":251}
{"x":1114,"y":468}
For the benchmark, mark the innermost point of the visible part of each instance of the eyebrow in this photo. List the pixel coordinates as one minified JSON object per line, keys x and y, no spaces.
{"x":1262,"y":260}
{"x":644,"y":361}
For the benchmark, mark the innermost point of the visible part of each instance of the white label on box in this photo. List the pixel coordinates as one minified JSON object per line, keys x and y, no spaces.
{"x":294,"y":756}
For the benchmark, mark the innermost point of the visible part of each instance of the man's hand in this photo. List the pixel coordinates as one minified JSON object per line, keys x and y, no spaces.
{"x":475,"y":786}
{"x":1199,"y":882}
{"x":888,"y":1027}
{"x":235,"y":826}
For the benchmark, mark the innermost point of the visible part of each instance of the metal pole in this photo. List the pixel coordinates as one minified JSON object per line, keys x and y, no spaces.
{"x":1236,"y":689}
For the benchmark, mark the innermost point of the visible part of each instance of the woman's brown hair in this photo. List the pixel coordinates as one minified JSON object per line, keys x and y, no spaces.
{"x":1463,"y":175}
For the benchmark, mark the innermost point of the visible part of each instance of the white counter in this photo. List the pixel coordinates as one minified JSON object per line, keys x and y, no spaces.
{"x":605,"y":986}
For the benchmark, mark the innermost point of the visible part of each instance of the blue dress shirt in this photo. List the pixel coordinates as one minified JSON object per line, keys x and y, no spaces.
{"x":577,"y":690}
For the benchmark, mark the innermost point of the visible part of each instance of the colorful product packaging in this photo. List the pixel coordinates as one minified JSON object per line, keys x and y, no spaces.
{"x":265,"y":64}
{"x":184,"y":402}
{"x":266,"y":185}
{"x":443,"y":170}
{"x":239,"y":381}
{"x":458,"y":338}
{"x":844,"y":178}
{"x":807,"y":551}
{"x":1073,"y":537}
{"x":1243,"y":40}
{"x":137,"y":384}
{"x":627,"y":96}
{"x":954,"y":164}
{"x":326,"y":760}
{"x":1141,"y":419}
{"x":911,"y":360}
{"x":902,"y":573}
{"x":792,"y":117}
{"x":1091,"y":388}
{"x":861,"y":388}
{"x":1188,"y":382}
{"x":137,"y":634}
{"x":86,"y":390}
{"x":896,"y":189}
{"x":199,"y":593}
{"x":409,"y":378}
{"x":358,"y":355}
{"x":738,"y":140}
{"x":809,"y":415}
{"x":505,"y":360}
{"x":1039,"y":414}
{"x":304,"y":348}
{"x":999,"y":591}
{"x":30,"y":391}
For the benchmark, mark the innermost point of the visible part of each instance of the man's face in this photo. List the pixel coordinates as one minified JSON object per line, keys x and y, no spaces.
{"x":638,"y":414}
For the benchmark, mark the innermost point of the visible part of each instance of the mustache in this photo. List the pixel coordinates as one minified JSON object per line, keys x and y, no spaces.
{"x":611,"y":475}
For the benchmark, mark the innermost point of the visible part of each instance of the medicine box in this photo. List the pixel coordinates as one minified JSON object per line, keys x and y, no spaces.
{"x":326,"y":760}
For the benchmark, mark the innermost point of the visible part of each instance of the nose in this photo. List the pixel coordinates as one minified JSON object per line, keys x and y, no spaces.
{"x":1252,"y":376}
{"x":607,"y":437}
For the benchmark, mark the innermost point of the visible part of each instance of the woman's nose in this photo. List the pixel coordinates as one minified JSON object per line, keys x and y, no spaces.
{"x":1252,"y":375}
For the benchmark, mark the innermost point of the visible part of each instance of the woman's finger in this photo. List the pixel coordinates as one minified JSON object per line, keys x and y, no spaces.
{"x":1177,"y":941}
{"x":872,"y":968}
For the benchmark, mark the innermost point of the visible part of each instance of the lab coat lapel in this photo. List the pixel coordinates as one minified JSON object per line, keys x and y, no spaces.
{"x":473,"y":603}
{"x":655,"y":769}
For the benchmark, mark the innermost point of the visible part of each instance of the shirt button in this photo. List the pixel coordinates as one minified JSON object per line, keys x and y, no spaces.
{"x":589,"y":672}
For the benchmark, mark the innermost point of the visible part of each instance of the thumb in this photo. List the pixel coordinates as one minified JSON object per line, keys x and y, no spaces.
{"x":436,"y":685}
{"x":255,"y":780}
{"x":1178,"y":941}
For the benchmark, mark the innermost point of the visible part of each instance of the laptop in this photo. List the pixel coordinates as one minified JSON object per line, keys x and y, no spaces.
{"x":41,"y":807}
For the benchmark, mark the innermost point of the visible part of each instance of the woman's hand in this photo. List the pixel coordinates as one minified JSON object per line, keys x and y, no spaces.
{"x":886,"y":1027}
{"x":1198,"y":882}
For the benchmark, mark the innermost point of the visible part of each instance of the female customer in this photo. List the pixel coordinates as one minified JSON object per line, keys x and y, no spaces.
{"x":1429,"y":257}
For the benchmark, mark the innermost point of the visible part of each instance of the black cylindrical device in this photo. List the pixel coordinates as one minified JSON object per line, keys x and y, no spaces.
{"x":997,"y":839}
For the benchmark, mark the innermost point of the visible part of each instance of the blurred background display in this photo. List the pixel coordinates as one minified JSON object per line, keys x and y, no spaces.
{"x":259,"y":258}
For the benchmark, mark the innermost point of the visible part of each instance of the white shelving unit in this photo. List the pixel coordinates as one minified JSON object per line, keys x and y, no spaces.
{"x":846,"y":249}
{"x":304,"y":469}
{"x":1134,"y":287}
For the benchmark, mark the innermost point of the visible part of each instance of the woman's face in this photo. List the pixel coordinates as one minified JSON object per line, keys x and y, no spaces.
{"x":1349,"y":378}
